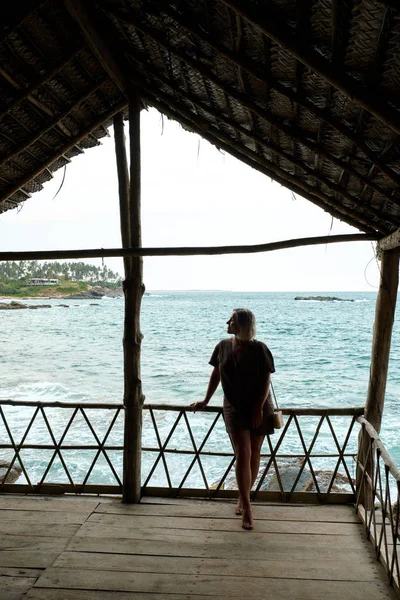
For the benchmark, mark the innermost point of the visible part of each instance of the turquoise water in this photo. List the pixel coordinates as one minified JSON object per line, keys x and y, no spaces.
{"x":322,"y":351}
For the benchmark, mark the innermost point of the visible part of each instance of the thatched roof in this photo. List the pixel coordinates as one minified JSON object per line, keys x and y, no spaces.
{"x":305,"y":91}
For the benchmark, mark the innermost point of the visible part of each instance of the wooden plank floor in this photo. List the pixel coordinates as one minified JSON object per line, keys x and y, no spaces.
{"x":99,"y":549}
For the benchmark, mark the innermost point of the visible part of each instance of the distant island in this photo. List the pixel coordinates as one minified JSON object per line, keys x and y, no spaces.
{"x":324,"y":298}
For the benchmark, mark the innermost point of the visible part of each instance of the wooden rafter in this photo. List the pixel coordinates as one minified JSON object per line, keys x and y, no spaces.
{"x":373,"y":81}
{"x":98,"y":43}
{"x":260,"y":141}
{"x":340,"y":20}
{"x":355,"y":219}
{"x":30,"y":7}
{"x":27,"y":92}
{"x":65,"y":131}
{"x":259,"y":72}
{"x":225,"y":141}
{"x":263,"y":113}
{"x":55,"y":122}
{"x":281,"y":34}
{"x":61,"y":151}
{"x":38,"y":104}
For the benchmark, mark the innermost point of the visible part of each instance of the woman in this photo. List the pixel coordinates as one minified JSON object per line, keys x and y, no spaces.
{"x":243,"y":365}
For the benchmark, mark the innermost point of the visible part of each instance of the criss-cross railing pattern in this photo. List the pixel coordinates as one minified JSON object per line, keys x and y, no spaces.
{"x":312,"y":455}
{"x":378,"y":490}
{"x":58,"y":446}
{"x":78,"y":448}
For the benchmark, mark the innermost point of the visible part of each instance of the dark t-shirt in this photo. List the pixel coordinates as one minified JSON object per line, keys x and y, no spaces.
{"x":243,"y":377}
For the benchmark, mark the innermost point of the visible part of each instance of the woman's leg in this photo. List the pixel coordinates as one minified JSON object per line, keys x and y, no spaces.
{"x":256,"y":442}
{"x":242,"y":445}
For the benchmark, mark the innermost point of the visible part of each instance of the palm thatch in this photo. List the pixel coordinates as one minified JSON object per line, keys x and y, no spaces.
{"x":305,"y":91}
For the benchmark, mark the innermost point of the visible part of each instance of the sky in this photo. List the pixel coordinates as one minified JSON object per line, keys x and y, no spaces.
{"x":192,"y":195}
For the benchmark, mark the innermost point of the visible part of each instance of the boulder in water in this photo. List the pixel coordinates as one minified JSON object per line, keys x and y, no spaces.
{"x":34,"y":306}
{"x":12,"y":305}
{"x":14,"y":473}
{"x":324,"y":298}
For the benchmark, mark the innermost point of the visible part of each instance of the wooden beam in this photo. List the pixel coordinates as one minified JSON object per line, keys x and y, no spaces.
{"x":281,"y":34}
{"x":384,"y":319}
{"x":97,"y":42}
{"x":189,"y":250}
{"x":390,"y":242}
{"x":133,"y":290}
{"x":65,"y":148}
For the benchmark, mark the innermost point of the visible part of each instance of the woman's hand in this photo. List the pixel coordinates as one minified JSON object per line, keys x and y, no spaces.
{"x":198,"y":405}
{"x":257,"y":417}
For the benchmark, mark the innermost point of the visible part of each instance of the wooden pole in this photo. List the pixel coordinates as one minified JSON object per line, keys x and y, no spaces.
{"x":383,"y":326}
{"x":133,"y":290}
{"x":384,"y":319}
{"x":188,"y":250}
{"x":123,"y":179}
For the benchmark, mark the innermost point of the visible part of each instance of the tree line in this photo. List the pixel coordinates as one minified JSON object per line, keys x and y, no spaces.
{"x":72,"y":271}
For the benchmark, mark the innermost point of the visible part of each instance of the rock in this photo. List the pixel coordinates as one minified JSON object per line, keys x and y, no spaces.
{"x":89,"y":295}
{"x":13,"y":474}
{"x":288,"y":472}
{"x":65,"y":305}
{"x":324,"y":298}
{"x":34,"y":306}
{"x":94,"y":304}
{"x":340,"y":483}
{"x":18,"y":305}
{"x":12,"y":305}
{"x":96,"y":293}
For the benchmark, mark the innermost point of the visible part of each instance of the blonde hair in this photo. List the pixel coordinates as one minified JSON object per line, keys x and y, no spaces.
{"x":246,"y":322}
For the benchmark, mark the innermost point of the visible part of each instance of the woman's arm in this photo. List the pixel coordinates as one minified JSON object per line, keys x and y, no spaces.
{"x":215,"y":378}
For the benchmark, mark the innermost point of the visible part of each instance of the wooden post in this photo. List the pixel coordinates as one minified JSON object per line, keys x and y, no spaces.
{"x":384,"y":319}
{"x":383,"y":326}
{"x":129,"y":188}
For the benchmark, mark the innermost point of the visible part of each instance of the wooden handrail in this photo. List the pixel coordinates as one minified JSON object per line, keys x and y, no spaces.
{"x":394,"y":471}
{"x":299,"y":411}
{"x":108,"y":406}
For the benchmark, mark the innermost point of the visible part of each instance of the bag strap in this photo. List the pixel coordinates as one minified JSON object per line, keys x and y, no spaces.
{"x":273,"y":393}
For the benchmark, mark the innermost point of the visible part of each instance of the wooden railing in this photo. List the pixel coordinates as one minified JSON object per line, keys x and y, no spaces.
{"x":58,"y":446}
{"x":183,"y":454}
{"x":377,"y":501}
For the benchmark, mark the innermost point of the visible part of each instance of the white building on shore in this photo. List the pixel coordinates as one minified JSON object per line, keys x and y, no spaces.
{"x":42,"y":281}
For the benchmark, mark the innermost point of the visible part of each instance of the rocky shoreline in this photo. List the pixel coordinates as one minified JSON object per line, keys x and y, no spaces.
{"x":94,"y":293}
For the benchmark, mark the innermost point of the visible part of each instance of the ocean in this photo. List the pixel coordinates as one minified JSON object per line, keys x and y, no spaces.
{"x":322,"y":353}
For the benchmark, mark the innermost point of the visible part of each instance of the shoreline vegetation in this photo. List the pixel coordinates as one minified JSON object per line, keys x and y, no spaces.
{"x":74,"y":280}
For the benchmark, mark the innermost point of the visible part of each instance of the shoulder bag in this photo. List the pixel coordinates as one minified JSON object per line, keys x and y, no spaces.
{"x":278,"y":417}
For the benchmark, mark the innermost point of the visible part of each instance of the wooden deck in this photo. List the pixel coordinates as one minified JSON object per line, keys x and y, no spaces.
{"x":97,"y":549}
